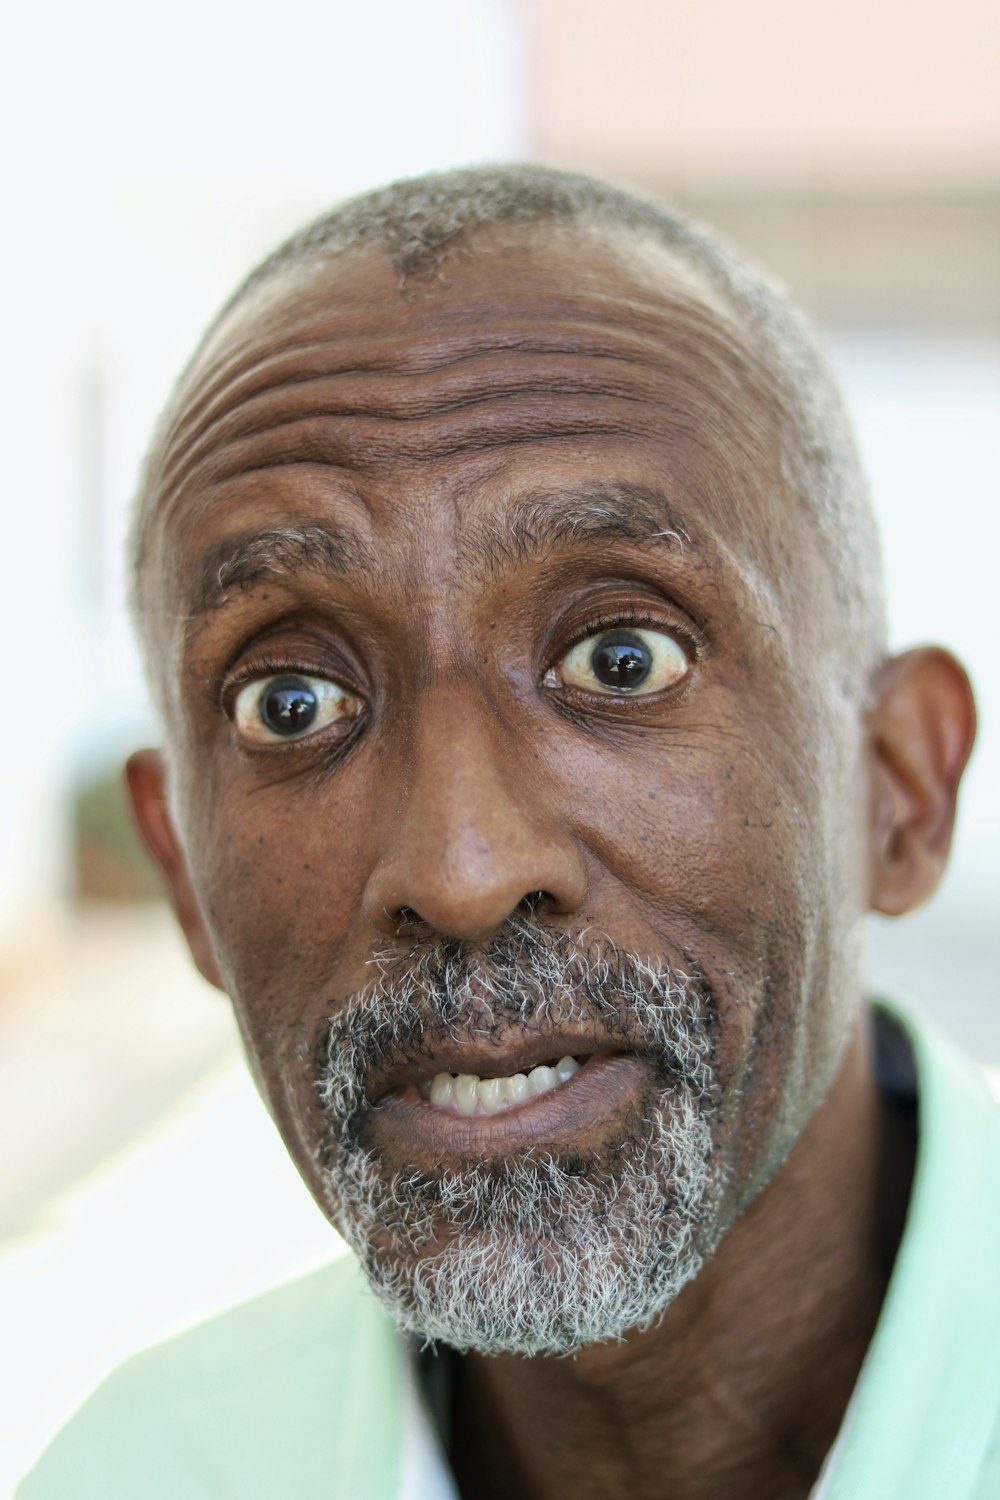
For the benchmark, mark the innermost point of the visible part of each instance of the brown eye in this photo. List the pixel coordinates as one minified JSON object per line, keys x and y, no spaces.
{"x":290,"y":707}
{"x":623,"y":662}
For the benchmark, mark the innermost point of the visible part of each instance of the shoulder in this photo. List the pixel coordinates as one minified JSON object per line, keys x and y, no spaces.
{"x":953,"y":1220}
{"x":923,"y":1419}
{"x":270,"y":1397}
{"x":954,"y":1103}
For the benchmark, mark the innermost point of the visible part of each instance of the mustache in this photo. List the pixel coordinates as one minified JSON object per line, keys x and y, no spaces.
{"x":527,"y":977}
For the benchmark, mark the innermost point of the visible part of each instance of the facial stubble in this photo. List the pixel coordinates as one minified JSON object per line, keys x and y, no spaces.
{"x":537,"y":1251}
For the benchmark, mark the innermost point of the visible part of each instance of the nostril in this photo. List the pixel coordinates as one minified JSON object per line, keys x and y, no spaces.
{"x":405,"y":916}
{"x":535,"y":904}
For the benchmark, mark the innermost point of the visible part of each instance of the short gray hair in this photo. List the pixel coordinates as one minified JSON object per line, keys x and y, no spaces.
{"x":419,"y":221}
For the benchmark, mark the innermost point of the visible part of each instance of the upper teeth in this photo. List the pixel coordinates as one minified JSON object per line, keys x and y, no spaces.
{"x":468,"y":1094}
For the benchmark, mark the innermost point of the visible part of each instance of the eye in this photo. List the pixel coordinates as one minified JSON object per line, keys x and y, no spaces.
{"x":627,"y":660}
{"x":290,"y":707}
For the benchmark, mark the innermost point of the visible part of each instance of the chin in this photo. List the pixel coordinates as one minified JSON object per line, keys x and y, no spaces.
{"x":538,"y":1255}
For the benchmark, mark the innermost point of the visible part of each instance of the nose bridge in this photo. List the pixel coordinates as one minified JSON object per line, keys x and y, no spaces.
{"x":465,"y":840}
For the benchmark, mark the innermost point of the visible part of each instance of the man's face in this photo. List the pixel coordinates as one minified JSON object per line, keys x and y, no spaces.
{"x":508,"y":724}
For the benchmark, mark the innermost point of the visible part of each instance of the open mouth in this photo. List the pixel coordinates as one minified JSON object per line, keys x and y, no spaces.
{"x":545,"y":1099}
{"x":468,"y":1094}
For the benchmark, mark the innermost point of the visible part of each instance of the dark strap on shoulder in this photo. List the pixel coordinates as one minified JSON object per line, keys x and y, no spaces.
{"x":895,"y":1069}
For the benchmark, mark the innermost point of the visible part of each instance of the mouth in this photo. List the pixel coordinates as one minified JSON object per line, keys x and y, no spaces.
{"x":474,"y":1076}
{"x":481,"y":1103}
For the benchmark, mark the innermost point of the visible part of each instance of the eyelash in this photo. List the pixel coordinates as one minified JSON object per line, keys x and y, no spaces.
{"x":691,"y":634}
{"x":270,"y":666}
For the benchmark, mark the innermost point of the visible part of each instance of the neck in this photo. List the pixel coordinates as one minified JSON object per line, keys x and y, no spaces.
{"x":740,"y":1389}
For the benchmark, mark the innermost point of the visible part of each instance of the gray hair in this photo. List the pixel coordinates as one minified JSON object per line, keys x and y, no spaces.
{"x":418,"y":222}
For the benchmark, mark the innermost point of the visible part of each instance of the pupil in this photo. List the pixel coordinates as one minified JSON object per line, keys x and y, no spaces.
{"x":288,"y":706}
{"x":621,"y":660}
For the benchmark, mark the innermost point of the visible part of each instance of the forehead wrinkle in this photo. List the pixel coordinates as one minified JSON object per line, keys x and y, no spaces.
{"x":237,"y":379}
{"x":396,"y":419}
{"x":397,"y":399}
{"x":241,"y":377}
{"x":394,"y":331}
{"x":372,"y":446}
{"x":246,"y":372}
{"x":716,"y":395}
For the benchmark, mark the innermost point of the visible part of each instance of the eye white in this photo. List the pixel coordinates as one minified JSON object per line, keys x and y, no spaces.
{"x":598,"y":663}
{"x":290,"y":706}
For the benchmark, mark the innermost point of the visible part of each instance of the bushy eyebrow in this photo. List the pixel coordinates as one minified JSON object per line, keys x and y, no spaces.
{"x":532,"y":526}
{"x":546,"y":521}
{"x":242,"y":560}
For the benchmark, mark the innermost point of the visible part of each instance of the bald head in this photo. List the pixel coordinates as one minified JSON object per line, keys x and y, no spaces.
{"x":418,"y":224}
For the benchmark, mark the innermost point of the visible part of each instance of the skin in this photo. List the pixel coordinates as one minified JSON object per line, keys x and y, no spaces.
{"x":744,"y":817}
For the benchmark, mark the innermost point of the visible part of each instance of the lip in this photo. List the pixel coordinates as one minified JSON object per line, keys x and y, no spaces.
{"x":517,"y":1053}
{"x":575,"y":1113}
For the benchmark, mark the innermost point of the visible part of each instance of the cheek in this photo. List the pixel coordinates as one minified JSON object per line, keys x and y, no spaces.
{"x":267,"y":861}
{"x":278,"y":871}
{"x":701,"y":827}
{"x":702,"y":845}
{"x":739,"y":847}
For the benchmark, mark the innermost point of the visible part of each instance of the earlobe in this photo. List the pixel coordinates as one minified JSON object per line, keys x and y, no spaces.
{"x":146,"y":782}
{"x":921,"y":728}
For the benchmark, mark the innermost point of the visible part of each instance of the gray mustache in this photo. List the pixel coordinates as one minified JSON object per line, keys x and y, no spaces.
{"x":526,"y":977}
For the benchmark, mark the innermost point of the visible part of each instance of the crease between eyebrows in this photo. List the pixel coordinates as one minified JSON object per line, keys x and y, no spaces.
{"x":534,"y":526}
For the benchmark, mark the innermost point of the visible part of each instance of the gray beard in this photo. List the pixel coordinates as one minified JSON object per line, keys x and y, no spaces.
{"x":536,"y":1252}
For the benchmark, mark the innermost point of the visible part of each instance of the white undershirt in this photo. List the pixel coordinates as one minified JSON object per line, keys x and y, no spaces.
{"x":424,"y":1472}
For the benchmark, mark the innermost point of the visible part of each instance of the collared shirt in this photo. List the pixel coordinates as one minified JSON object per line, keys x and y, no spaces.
{"x":308,"y":1390}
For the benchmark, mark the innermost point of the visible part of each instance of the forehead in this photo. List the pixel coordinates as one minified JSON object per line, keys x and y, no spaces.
{"x":529,"y":362}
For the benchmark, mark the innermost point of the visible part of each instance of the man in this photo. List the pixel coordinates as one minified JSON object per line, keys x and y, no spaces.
{"x":531,"y":759}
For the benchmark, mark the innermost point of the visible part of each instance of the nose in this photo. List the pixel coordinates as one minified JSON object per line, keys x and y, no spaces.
{"x":468,"y":838}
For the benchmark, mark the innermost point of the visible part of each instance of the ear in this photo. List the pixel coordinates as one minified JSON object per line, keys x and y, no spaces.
{"x":921,"y":727}
{"x":145,"y":779}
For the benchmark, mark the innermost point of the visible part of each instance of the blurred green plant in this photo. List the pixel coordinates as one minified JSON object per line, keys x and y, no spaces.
{"x":109,"y":862}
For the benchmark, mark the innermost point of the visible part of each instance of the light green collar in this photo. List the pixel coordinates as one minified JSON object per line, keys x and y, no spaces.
{"x":924,"y":1410}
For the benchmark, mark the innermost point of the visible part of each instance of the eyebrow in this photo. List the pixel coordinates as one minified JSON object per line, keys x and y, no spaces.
{"x":552,"y":519}
{"x":243,"y":560}
{"x":534,"y":525}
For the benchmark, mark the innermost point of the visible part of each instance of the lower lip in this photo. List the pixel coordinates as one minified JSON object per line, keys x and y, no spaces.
{"x":405,"y":1124}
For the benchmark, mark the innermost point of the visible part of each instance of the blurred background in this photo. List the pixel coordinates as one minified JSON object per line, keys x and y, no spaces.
{"x":152,"y":157}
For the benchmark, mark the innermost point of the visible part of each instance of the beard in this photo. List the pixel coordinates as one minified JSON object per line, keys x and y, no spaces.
{"x":537,"y":1251}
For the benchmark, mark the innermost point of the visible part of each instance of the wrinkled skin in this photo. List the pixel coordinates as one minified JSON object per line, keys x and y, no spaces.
{"x":743,"y":818}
